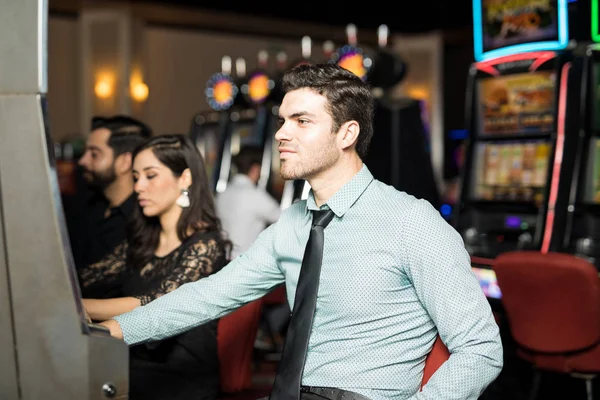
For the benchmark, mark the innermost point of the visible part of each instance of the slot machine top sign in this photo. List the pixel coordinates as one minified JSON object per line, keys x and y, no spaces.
{"x":259,"y":87}
{"x":353,"y":59}
{"x":220,"y":91}
{"x":504,"y":27}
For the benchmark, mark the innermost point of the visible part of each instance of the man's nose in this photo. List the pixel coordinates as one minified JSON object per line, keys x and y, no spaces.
{"x":282,"y":135}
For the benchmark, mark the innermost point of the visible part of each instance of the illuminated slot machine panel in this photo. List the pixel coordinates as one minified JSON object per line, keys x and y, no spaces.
{"x":515,"y":154}
{"x":523,"y":121}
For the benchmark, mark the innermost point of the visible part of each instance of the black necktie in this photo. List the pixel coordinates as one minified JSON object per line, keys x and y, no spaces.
{"x":291,"y":366}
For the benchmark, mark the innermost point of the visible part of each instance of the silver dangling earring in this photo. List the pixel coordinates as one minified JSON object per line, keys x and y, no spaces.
{"x":183,"y":200}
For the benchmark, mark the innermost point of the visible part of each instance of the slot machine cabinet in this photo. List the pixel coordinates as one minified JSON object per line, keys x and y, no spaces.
{"x":48,"y":349}
{"x":581,"y":235}
{"x":249,"y":121}
{"x":523,"y":130}
{"x":209,"y":130}
{"x":522,"y":118}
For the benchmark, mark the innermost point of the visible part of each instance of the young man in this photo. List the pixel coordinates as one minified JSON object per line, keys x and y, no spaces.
{"x":97,"y":224}
{"x":394,"y":273}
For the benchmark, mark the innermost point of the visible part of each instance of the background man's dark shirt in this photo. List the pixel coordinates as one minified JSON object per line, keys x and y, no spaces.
{"x":94,"y":234}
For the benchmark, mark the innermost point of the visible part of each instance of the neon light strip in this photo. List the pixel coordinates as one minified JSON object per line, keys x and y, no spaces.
{"x":561,"y":43}
{"x":558,"y":156}
{"x":541,"y":60}
{"x":595,"y":28}
{"x":541,"y":57}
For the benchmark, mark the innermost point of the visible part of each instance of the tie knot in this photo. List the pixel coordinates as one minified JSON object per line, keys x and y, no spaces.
{"x":322,"y":217}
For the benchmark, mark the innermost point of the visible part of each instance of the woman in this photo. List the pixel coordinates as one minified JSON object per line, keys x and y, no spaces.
{"x":174,"y":238}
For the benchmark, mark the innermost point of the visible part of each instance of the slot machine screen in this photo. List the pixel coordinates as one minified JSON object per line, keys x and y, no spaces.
{"x":511,"y":171}
{"x":488,"y":282}
{"x":517,"y":103}
{"x":512,"y":26}
{"x":593,"y":173}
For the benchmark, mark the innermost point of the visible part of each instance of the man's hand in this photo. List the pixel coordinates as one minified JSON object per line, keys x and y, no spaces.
{"x":114,"y":328}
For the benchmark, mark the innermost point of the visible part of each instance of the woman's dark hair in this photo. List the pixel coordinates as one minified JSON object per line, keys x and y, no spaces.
{"x":176,"y":152}
{"x":348,"y":97}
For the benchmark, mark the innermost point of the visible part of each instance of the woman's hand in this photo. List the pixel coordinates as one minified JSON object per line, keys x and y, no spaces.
{"x":104,"y":309}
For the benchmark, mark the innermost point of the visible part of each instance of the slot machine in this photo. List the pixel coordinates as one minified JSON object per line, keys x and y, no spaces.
{"x":249,"y":119}
{"x":48,"y":348}
{"x":581,"y":235}
{"x":208,"y":129}
{"x":522,"y":117}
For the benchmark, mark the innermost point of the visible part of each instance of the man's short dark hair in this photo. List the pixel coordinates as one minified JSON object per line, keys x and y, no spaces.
{"x":247,"y":157}
{"x":348,"y":96}
{"x":126,"y":133}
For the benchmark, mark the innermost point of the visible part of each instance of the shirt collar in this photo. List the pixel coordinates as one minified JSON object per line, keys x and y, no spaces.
{"x":344,"y":198}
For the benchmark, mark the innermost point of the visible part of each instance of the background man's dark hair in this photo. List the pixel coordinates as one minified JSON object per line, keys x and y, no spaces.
{"x":126,"y":133}
{"x":248,"y":156}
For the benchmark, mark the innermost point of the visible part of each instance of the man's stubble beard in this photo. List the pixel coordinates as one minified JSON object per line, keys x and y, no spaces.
{"x":324,"y":159}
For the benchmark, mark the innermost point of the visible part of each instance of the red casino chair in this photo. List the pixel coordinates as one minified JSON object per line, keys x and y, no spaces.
{"x":436,"y":357}
{"x":552,"y":305}
{"x":236,"y":334}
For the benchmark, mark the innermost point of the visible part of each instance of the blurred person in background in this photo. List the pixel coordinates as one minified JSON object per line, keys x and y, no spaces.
{"x":97,"y":219}
{"x":245,"y":210}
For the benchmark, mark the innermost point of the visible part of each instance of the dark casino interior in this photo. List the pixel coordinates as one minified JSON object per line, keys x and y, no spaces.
{"x":487,"y":109}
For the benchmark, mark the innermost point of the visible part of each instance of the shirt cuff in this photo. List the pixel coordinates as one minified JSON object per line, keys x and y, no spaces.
{"x":134,"y":329}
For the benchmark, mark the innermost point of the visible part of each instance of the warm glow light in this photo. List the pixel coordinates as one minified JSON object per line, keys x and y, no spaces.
{"x":418,"y":93}
{"x":139,"y":91}
{"x":137,"y":88}
{"x":103,"y":89}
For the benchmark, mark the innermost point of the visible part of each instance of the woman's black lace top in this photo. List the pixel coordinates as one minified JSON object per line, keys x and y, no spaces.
{"x":199,"y":256}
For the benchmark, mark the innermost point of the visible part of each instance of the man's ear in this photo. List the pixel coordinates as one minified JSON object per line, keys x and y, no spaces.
{"x":123,"y":163}
{"x":185,"y":180}
{"x":348,"y":134}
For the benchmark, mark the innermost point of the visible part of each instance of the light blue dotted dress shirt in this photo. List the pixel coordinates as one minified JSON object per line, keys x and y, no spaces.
{"x":394,"y":274}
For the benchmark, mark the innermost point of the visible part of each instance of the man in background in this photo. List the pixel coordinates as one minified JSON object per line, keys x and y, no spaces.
{"x":244,"y":208}
{"x":97,"y":223}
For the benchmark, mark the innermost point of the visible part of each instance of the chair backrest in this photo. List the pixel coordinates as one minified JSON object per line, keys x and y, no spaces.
{"x":236,"y":334}
{"x":277,"y":295}
{"x":552,"y":300}
{"x":436,"y":357}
